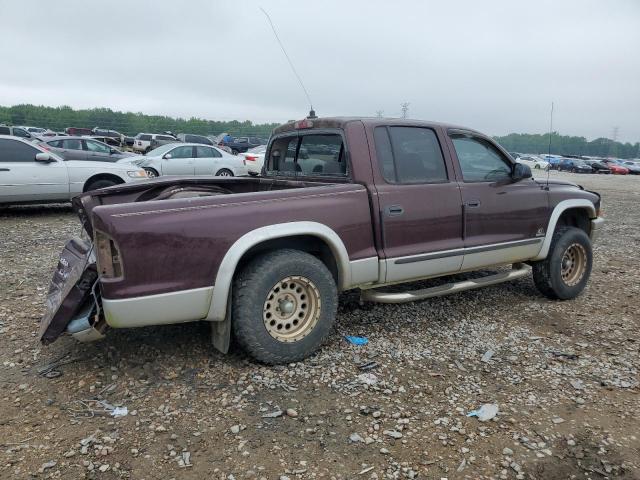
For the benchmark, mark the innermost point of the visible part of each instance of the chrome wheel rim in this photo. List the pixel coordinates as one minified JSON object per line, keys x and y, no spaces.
{"x":573,"y":264}
{"x":151,"y":173}
{"x":291,"y":309}
{"x":224,"y":173}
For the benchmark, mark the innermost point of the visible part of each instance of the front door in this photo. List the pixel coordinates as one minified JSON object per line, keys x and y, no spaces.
{"x":179,"y":161}
{"x":23,"y":179}
{"x":98,"y":151}
{"x":420,"y":204}
{"x":504,"y":219}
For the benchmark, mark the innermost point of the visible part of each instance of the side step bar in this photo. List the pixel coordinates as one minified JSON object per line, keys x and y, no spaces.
{"x":519,"y":270}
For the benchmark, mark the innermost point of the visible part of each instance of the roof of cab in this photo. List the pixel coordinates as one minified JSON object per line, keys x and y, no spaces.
{"x":341,"y":122}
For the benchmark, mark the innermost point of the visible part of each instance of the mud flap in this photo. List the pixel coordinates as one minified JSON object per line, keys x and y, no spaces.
{"x":221,"y":331}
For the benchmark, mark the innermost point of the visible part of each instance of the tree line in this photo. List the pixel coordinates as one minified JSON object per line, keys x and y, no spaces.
{"x":129,"y":123}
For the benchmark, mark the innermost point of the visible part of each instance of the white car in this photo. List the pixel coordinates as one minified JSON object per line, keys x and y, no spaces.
{"x":30,"y":174}
{"x":534,"y":162}
{"x":189,"y":159}
{"x":254,"y":158}
{"x":142,"y":141}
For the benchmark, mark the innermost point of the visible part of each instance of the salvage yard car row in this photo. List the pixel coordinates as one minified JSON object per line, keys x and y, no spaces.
{"x":577,"y":164}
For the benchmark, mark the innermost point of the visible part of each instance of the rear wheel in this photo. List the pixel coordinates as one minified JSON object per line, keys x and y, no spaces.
{"x":284,"y":306}
{"x":225,"y":172}
{"x":234,"y":151}
{"x":565,"y":272}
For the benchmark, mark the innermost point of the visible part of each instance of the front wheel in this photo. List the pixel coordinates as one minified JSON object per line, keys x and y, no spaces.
{"x":566,"y":270}
{"x":151,"y":172}
{"x":537,"y":167}
{"x":284,"y":306}
{"x":225,"y":172}
{"x":98,"y":184}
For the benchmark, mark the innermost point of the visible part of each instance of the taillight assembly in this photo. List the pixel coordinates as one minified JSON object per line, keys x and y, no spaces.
{"x":251,"y":158}
{"x":107,"y":256}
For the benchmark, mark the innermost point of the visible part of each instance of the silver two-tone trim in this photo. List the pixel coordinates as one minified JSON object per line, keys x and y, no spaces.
{"x":555,"y":215}
{"x":160,"y":309}
{"x":364,"y":271}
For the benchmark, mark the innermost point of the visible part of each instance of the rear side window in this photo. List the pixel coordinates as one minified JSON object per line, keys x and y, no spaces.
{"x":409,"y":155}
{"x":207,"y":152}
{"x":309,"y":155}
{"x":164,"y":137}
{"x":72,"y":144}
{"x":5,"y":131}
{"x":55,"y":143}
{"x":16,"y":151}
{"x":145,"y":138}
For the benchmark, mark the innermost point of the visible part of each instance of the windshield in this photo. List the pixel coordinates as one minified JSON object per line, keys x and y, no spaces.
{"x":161,"y":150}
{"x":320,"y":154}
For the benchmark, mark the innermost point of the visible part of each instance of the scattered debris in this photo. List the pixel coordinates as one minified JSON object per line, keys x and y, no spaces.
{"x":485,"y":413}
{"x":353,"y":340}
{"x":487,"y":356}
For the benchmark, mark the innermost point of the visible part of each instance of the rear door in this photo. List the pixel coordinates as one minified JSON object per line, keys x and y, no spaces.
{"x":97,"y":151}
{"x":72,"y":149}
{"x":420,"y":203}
{"x":504,"y":220}
{"x":207,"y":161}
{"x":181,"y":161}
{"x":23,"y":179}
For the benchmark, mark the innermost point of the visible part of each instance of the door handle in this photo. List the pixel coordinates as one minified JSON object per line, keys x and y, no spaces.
{"x":5,"y":169}
{"x":472,"y":203}
{"x":394,"y":210}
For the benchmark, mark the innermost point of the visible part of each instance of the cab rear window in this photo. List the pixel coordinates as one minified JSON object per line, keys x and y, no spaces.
{"x":321,"y":154}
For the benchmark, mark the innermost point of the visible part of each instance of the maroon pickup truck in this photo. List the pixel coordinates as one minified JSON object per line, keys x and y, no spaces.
{"x":342,"y":203}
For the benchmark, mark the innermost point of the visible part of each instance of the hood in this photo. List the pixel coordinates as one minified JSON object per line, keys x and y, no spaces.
{"x":544,"y":181}
{"x":138,"y":160}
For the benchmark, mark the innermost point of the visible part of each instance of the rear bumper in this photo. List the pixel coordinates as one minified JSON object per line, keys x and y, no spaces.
{"x":596,"y":228}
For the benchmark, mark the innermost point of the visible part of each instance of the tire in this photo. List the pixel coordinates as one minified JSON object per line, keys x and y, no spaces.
{"x":562,"y":275}
{"x":261,"y":328}
{"x":151,"y":172}
{"x":96,"y":184}
{"x":537,"y":167}
{"x":573,"y":170}
{"x":224,"y":172}
{"x":234,"y":151}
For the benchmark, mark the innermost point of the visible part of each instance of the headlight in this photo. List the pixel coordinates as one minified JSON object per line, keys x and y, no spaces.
{"x":137,"y":174}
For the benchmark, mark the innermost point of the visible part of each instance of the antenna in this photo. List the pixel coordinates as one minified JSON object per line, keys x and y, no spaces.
{"x":548,"y":158}
{"x":312,"y":113}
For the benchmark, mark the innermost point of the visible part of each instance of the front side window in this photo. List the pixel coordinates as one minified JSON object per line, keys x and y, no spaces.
{"x":182,"y":152}
{"x":18,"y":132}
{"x":479,"y":160}
{"x":164,"y":137}
{"x":144,"y":138}
{"x":72,"y":144}
{"x":97,"y":147}
{"x":310,"y":155}
{"x":16,"y":151}
{"x":409,"y":155}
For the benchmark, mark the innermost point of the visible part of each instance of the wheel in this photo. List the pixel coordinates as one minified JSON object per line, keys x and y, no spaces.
{"x":225,"y":172}
{"x":565,"y":271}
{"x":151,"y":172}
{"x":96,"y":184}
{"x":573,"y":170}
{"x":234,"y":151}
{"x":537,"y":167}
{"x":147,"y":150}
{"x":284,"y":306}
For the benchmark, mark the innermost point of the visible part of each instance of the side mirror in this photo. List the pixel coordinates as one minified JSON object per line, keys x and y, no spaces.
{"x":112,"y":151}
{"x":44,"y":158}
{"x":167,"y":156}
{"x":521,"y":171}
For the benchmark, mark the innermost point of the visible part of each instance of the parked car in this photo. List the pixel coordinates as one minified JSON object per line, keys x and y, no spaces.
{"x":83,"y":148}
{"x":515,"y":155}
{"x":159,"y":140}
{"x":574,"y":165}
{"x":75,"y":131}
{"x":615,"y":168}
{"x":265,"y":257}
{"x":534,"y":162}
{"x":189,"y":159}
{"x":598,"y":167}
{"x":31,"y":174}
{"x":142,"y":141}
{"x":633,"y":167}
{"x":254,"y":159}
{"x":191,"y":138}
{"x":35,"y":131}
{"x":554,"y":161}
{"x":103,"y":132}
{"x":241,"y":144}
{"x":111,"y":141}
{"x":128,"y":141}
{"x":16,"y":132}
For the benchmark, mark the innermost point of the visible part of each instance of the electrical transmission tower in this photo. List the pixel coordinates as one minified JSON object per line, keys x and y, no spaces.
{"x":613,"y":148}
{"x":379,"y":113}
{"x":405,"y":109}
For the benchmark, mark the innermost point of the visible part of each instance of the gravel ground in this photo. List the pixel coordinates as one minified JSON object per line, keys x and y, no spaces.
{"x":563,"y":374}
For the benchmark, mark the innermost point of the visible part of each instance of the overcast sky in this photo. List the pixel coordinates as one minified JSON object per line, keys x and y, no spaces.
{"x":491,"y":65}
